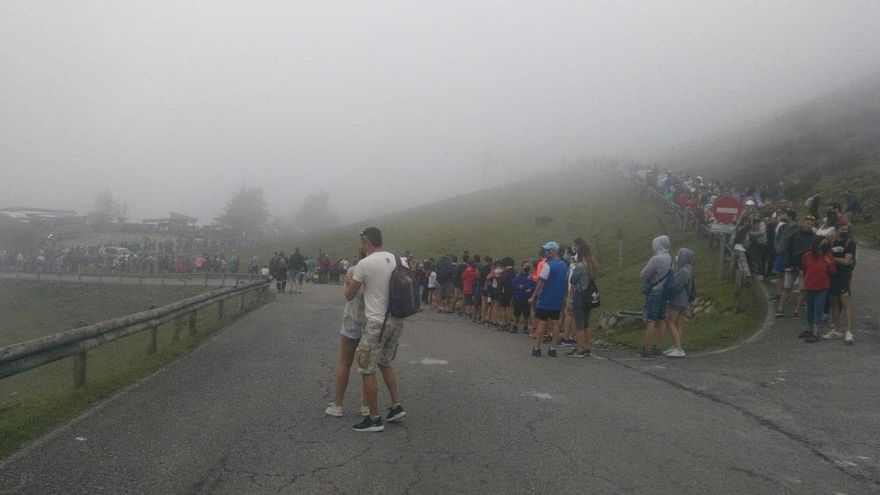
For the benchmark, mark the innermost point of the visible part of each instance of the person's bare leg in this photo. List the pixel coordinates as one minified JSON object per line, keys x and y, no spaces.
{"x":539,"y":333}
{"x":389,"y":376}
{"x":370,"y":394}
{"x":800,"y":301}
{"x":847,"y":310}
{"x":783,"y":300}
{"x":672,"y":323}
{"x":649,"y":335}
{"x":554,"y":332}
{"x":347,"y":347}
{"x":834,"y":302}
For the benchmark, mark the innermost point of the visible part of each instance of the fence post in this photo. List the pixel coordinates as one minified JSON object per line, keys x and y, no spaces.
{"x":722,"y":238}
{"x":153,"y":343}
{"x":220,"y":309}
{"x":79,"y":369}
{"x":178,"y":324}
{"x":223,"y":280}
{"x":241,"y":303}
{"x":206,"y":279}
{"x":193,"y":318}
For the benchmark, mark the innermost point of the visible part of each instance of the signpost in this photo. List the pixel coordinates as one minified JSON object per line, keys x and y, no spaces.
{"x":726,"y":209}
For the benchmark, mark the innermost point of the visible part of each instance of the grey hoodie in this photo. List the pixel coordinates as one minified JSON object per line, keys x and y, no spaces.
{"x":659,"y":265}
{"x":684,"y":278}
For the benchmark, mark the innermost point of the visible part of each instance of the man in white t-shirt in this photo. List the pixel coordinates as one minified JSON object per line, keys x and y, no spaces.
{"x":378,"y":345}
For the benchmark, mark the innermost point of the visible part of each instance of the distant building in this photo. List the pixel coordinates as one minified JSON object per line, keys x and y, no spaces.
{"x":176,"y":222}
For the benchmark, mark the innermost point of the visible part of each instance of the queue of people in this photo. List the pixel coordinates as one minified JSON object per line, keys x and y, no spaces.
{"x":811,"y":256}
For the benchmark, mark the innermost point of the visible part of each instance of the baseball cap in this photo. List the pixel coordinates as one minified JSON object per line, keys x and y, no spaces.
{"x":551,"y":245}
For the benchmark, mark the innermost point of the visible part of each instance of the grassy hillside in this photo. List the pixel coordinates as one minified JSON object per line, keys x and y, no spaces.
{"x":827,"y":145}
{"x":581,"y":201}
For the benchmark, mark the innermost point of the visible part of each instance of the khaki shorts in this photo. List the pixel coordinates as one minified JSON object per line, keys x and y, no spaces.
{"x":792,"y":279}
{"x":378,"y":347}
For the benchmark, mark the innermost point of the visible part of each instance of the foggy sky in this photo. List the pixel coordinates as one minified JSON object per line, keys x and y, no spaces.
{"x":173,"y":105}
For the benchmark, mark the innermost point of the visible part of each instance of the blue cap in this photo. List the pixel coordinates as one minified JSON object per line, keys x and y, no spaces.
{"x":551,"y":245}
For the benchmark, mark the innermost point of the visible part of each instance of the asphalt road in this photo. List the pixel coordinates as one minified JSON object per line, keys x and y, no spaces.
{"x":243,"y":413}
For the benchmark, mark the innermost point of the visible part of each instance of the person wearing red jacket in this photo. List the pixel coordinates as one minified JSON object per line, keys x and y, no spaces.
{"x":818,"y":270}
{"x":469,"y":280}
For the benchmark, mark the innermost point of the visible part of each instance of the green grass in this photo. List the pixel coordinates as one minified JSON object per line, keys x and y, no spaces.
{"x":34,"y":401}
{"x":583,"y":201}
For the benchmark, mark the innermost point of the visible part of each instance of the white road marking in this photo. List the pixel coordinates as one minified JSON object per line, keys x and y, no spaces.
{"x":542,"y":395}
{"x":80,"y":439}
{"x":429,"y":361}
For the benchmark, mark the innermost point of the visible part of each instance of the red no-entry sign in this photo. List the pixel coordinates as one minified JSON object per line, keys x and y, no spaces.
{"x":726,"y":209}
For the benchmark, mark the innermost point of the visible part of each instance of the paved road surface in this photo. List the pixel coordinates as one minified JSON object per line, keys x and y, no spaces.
{"x":243,"y":413}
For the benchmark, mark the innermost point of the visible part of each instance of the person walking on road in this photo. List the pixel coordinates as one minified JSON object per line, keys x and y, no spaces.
{"x":297,"y":266}
{"x":843,"y":249}
{"x":653,"y":276}
{"x":583,"y":273}
{"x":548,"y":298}
{"x":378,"y":345}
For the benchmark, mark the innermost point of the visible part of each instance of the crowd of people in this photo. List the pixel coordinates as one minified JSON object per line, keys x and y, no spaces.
{"x":811,"y":255}
{"x":146,"y":256}
{"x":291,"y":272}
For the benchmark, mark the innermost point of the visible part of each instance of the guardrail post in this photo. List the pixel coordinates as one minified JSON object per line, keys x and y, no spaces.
{"x":153,"y":343}
{"x":162,"y":279}
{"x":241,"y":303}
{"x":193,"y":319}
{"x":185,"y":277}
{"x":206,"y":279}
{"x":721,"y":243}
{"x":223,"y":280}
{"x":220,"y":309}
{"x":178,"y":324}
{"x":142,"y":278}
{"x":79,"y":369}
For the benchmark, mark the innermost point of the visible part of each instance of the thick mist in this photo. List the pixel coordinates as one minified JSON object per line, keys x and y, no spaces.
{"x":175,"y":105}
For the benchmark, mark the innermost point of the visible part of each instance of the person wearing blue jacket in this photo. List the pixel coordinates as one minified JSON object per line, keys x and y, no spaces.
{"x":523,"y":286}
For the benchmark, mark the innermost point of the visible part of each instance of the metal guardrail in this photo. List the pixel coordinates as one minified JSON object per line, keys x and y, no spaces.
{"x":24,"y":356}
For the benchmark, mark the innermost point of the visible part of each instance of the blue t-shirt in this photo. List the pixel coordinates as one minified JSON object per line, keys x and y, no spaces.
{"x":555,"y":273}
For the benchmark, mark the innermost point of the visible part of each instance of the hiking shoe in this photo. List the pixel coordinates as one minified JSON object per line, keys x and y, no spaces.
{"x":513,"y":329}
{"x":832,"y":334}
{"x":780,"y":314}
{"x":677,"y":353}
{"x":848,"y":338}
{"x":334,"y":410}
{"x":552,"y":352}
{"x":804,"y":334}
{"x":796,"y":315}
{"x":365,"y":411}
{"x":646,"y":354}
{"x":536,"y":352}
{"x":667,"y":351}
{"x":812,"y":339}
{"x":369,"y":424}
{"x":564,"y":342}
{"x":656,"y":351}
{"x":574,"y":353}
{"x":395,"y":413}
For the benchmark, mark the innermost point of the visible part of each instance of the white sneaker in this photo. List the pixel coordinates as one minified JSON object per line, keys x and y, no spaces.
{"x":334,"y":410}
{"x":848,"y":338}
{"x":365,"y":411}
{"x":668,"y":351}
{"x":677,"y":353}
{"x":832,"y":334}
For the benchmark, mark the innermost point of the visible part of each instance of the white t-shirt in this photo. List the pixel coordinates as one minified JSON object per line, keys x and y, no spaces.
{"x":432,"y":280}
{"x":374,"y":272}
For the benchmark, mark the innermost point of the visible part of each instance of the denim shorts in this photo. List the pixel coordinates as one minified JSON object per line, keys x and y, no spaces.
{"x":655,"y":307}
{"x":352,"y":333}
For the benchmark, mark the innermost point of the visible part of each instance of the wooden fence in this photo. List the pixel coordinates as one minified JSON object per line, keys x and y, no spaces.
{"x":24,"y":356}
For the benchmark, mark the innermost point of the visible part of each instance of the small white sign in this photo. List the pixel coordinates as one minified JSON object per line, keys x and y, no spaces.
{"x":721,"y":228}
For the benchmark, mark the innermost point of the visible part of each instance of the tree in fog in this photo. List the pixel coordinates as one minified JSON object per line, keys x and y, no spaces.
{"x":316,"y":213}
{"x":107,"y":210}
{"x":246,"y":211}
